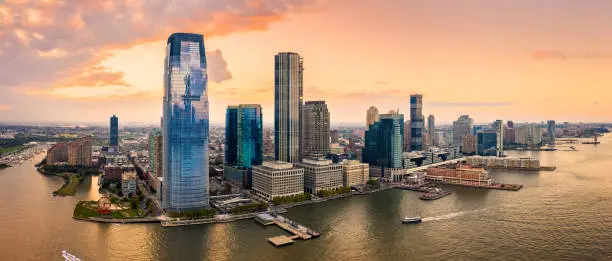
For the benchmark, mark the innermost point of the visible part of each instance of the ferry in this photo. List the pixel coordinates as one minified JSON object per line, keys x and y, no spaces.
{"x":410,"y":220}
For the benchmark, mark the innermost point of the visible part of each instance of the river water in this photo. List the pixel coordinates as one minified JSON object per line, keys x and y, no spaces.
{"x":560,"y":215}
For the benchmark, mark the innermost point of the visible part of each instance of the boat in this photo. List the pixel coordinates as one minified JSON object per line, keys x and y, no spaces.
{"x":69,"y":257}
{"x":410,"y":220}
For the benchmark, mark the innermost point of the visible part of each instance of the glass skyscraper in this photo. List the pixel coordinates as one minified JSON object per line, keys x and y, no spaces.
{"x":244,"y":135}
{"x":114,"y":131}
{"x":185,"y":124}
{"x":487,"y":143}
{"x":288,"y":102}
{"x":384,"y":142}
{"x":243,"y":142}
{"x":231,"y":135}
{"x":417,"y":122}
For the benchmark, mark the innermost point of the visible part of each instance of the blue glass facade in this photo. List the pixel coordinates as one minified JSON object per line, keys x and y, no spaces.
{"x":486,"y":143}
{"x":114,"y":131}
{"x":384,"y":142}
{"x":231,"y":135}
{"x":185,"y":124}
{"x":244,"y":139}
{"x":250,"y":136}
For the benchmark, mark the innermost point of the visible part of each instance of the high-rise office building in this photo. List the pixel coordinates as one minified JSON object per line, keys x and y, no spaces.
{"x":315,"y":129}
{"x":406,"y":146}
{"x":528,"y":134}
{"x":462,"y":127}
{"x":384,"y":141}
{"x":371,"y":117}
{"x":334,"y":136}
{"x":288,"y":102}
{"x":231,"y":135}
{"x":243,"y":142}
{"x":509,"y":135}
{"x":499,"y":128}
{"x":468,"y":144}
{"x":416,"y":122}
{"x":185,"y":124}
{"x":114,"y":131}
{"x":551,"y":128}
{"x":510,"y":124}
{"x":487,"y":143}
{"x":155,"y":155}
{"x":431,"y":128}
{"x":268,"y":142}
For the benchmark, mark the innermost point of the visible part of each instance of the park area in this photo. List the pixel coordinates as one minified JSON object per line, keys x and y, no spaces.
{"x":119,"y":209}
{"x":69,"y":188}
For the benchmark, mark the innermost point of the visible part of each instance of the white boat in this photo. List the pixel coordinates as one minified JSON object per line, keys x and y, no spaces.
{"x":410,"y":220}
{"x":69,"y":257}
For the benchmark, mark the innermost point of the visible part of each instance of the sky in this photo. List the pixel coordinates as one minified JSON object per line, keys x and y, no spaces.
{"x":520,"y":60}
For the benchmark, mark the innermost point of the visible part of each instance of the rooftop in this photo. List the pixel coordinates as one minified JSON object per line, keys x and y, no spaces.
{"x":128,"y":175}
{"x":277,"y":165}
{"x":317,"y":161}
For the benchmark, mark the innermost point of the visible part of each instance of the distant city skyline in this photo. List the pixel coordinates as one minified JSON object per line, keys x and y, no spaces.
{"x":540,"y":55}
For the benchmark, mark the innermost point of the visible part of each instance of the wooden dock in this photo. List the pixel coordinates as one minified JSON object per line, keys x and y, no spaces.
{"x":298,"y":231}
{"x":280,"y":241}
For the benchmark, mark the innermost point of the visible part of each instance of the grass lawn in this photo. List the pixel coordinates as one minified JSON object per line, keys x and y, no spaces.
{"x":69,"y":188}
{"x":86,"y":209}
{"x":7,"y":150}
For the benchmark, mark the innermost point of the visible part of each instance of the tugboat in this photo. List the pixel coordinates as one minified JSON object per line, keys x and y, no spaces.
{"x":411,"y":220}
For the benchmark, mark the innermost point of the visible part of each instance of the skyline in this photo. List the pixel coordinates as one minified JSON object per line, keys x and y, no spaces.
{"x":526,"y":67}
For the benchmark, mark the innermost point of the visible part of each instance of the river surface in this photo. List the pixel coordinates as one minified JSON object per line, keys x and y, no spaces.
{"x":560,"y":215}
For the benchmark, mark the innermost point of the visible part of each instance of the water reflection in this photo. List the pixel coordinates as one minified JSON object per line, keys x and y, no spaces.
{"x":561,"y":215}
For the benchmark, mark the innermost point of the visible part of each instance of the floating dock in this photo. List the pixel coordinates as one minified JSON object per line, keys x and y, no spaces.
{"x":280,"y":241}
{"x":298,"y":231}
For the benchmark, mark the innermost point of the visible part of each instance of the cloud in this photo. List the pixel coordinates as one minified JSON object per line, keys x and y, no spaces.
{"x":470,"y":104}
{"x":44,"y":43}
{"x":5,"y":107}
{"x":541,"y":55}
{"x":97,"y":76}
{"x":548,"y":55}
{"x":380,"y":83}
{"x":217,"y":67}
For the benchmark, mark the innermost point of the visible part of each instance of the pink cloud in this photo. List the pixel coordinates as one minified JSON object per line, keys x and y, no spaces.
{"x":45,"y":42}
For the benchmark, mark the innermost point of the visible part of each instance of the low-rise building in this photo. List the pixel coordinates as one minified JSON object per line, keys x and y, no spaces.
{"x":277,"y":179}
{"x":114,"y":172}
{"x":320,"y":174}
{"x":463,"y":175}
{"x":354,"y":173}
{"x":128,"y":183}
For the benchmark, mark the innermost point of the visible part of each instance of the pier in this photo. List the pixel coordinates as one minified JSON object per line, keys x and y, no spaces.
{"x":298,"y":231}
{"x":431,"y":193}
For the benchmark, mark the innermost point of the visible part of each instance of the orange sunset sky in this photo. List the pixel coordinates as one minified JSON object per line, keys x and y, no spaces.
{"x":521,"y":60}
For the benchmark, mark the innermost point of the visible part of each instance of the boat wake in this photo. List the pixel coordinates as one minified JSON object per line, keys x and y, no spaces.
{"x":451,"y":215}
